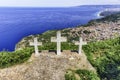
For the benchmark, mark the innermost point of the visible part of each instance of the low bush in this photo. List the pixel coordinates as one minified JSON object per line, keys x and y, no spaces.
{"x":11,"y":58}
{"x":105,"y":57}
{"x":81,"y":75}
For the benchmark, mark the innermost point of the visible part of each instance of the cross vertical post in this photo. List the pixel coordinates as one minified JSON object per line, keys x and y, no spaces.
{"x":59,"y":43}
{"x":58,"y":39}
{"x":36,"y":44}
{"x":80,"y":43}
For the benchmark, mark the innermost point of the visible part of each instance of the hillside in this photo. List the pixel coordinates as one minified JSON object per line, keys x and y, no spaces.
{"x":103,"y":55}
{"x":100,"y":59}
{"x":95,"y":30}
{"x":110,"y":18}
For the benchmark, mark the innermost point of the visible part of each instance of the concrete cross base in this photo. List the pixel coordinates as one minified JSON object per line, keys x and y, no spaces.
{"x":37,"y":55}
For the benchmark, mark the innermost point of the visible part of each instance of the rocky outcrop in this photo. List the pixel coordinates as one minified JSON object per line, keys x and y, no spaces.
{"x":46,"y":67}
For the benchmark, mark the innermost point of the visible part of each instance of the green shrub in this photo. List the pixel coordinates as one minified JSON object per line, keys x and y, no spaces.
{"x":81,"y":75}
{"x":11,"y":58}
{"x":53,"y":46}
{"x":87,"y":75}
{"x":70,"y":76}
{"x":105,"y":57}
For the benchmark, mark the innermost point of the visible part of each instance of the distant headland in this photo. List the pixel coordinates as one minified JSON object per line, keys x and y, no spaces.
{"x":109,"y":11}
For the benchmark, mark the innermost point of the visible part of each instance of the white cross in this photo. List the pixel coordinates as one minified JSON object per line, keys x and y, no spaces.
{"x":36,"y":44}
{"x":80,"y":43}
{"x":58,"y":39}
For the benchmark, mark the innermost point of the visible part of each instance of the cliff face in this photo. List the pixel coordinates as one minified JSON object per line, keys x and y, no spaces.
{"x":46,"y":67}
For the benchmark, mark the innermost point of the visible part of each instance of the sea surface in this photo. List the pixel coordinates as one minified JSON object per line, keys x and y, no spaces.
{"x":17,"y":23}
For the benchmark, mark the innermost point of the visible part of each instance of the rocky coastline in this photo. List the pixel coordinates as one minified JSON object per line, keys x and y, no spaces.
{"x":94,"y":31}
{"x":50,"y":66}
{"x":108,"y":12}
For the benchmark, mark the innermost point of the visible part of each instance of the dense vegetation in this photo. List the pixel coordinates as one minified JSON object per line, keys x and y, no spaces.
{"x":81,"y":75}
{"x":105,"y":57}
{"x":8,"y":59}
{"x":110,"y":18}
{"x":107,"y":13}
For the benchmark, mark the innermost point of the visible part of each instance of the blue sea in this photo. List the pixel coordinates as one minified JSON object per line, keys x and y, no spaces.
{"x":17,"y":23}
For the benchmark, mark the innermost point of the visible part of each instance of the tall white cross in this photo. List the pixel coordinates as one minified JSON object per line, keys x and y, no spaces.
{"x":80,"y":43}
{"x":58,"y":39}
{"x":36,"y":44}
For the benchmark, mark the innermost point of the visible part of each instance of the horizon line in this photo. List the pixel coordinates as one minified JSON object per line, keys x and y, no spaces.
{"x":61,"y":6}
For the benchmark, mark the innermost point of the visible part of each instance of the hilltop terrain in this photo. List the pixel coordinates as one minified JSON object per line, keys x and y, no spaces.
{"x":48,"y":66}
{"x":102,"y":51}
